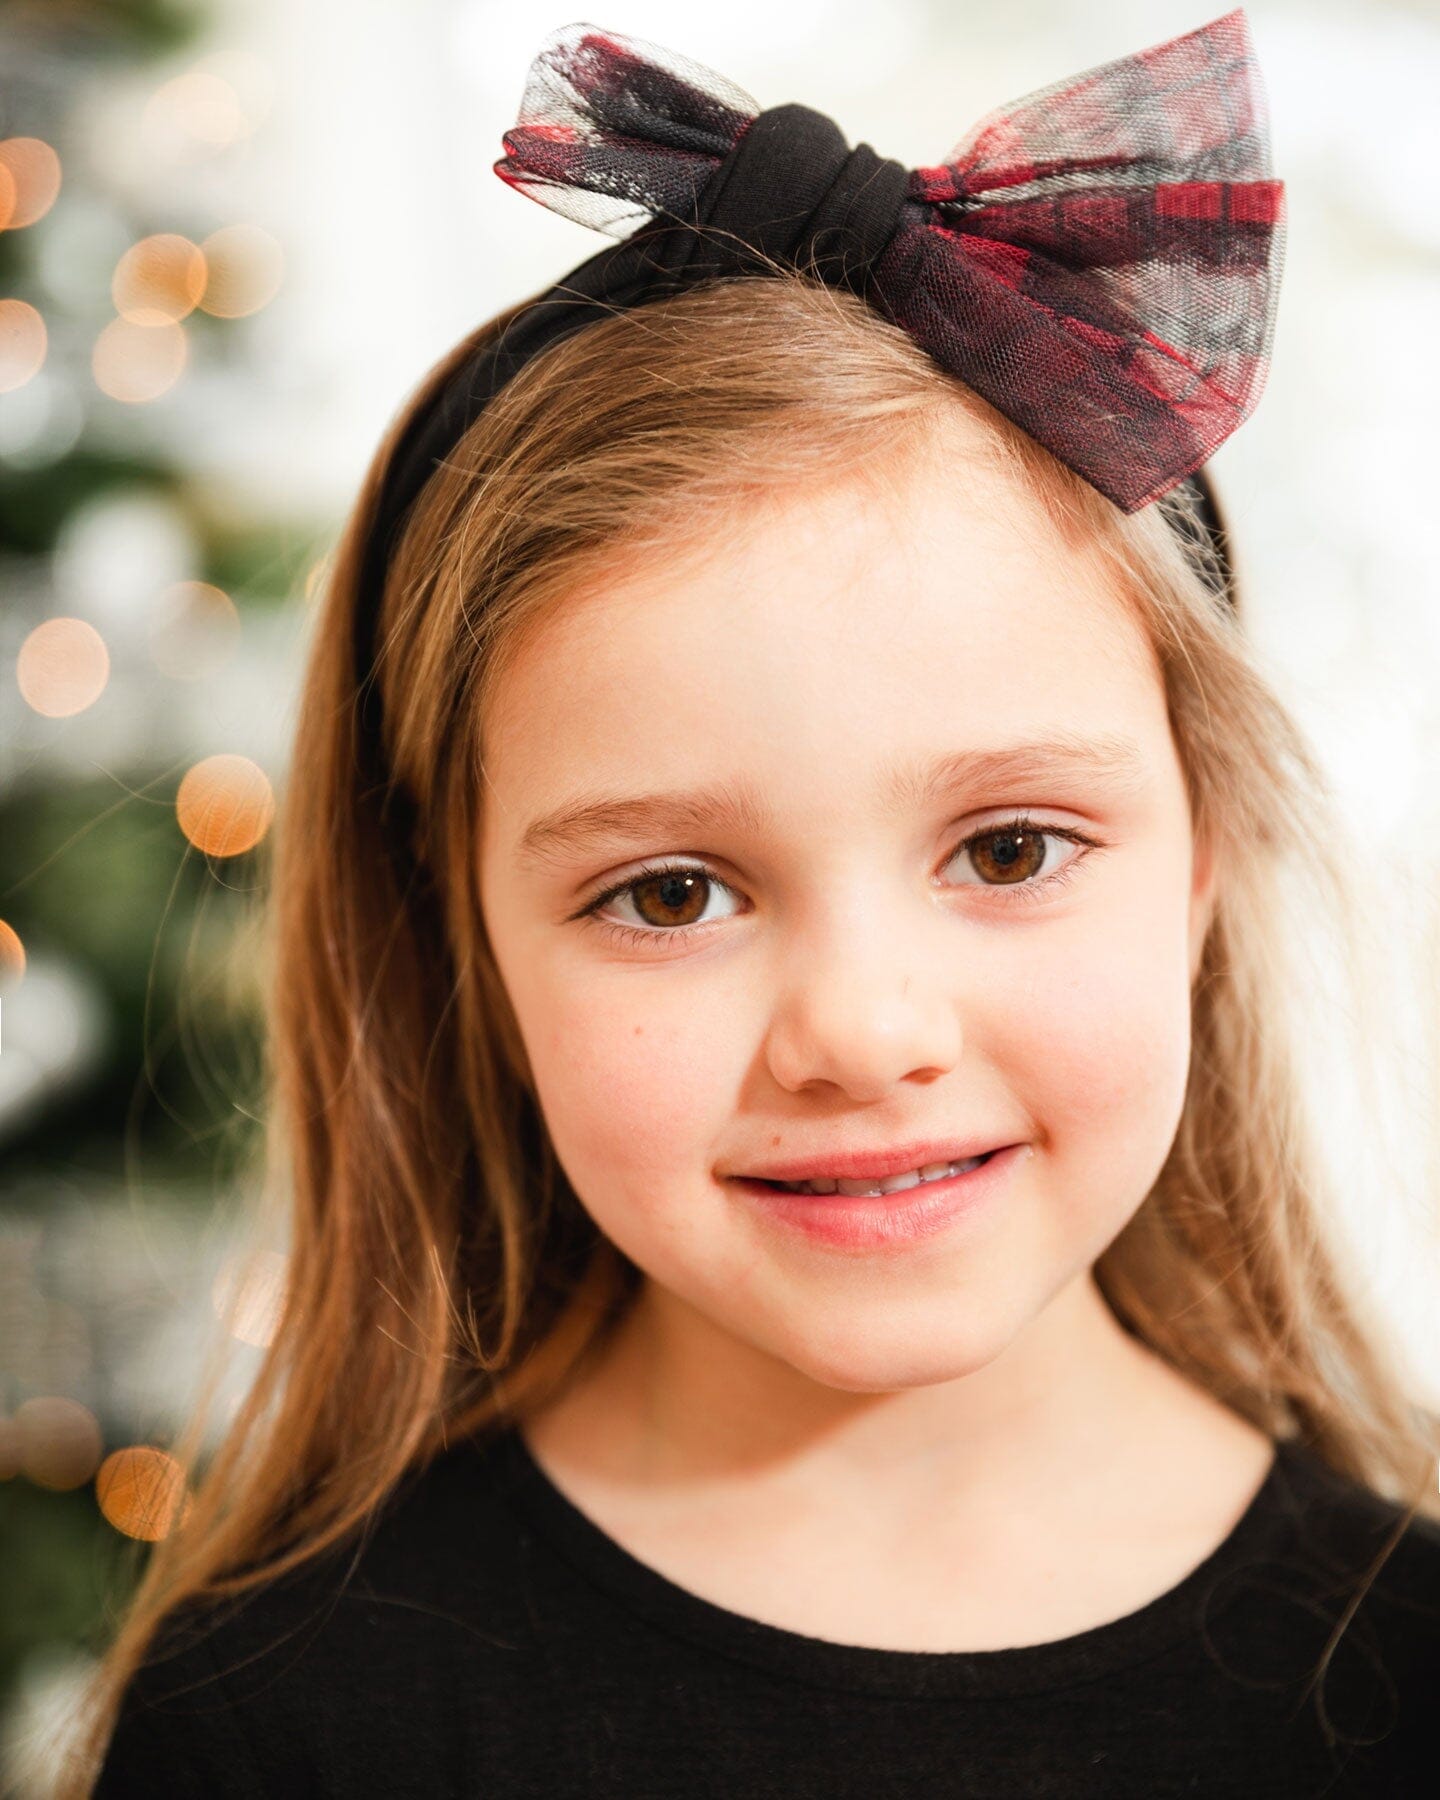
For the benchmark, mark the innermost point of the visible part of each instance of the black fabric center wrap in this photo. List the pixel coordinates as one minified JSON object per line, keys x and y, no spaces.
{"x":792,"y":190}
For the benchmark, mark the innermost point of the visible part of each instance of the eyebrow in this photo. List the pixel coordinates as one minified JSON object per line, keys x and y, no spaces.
{"x":591,"y":822}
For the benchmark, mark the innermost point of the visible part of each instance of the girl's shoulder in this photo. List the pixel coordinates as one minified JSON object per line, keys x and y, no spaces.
{"x":243,"y":1692}
{"x":1335,"y":1511}
{"x":1334,"y":1540}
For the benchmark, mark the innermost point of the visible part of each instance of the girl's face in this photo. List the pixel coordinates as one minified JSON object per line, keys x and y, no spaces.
{"x":842,"y":974}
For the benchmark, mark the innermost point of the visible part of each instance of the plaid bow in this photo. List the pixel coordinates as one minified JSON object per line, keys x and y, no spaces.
{"x":1099,"y":260}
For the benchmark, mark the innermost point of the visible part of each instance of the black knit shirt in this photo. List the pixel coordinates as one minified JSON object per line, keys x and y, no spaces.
{"x":491,"y":1641}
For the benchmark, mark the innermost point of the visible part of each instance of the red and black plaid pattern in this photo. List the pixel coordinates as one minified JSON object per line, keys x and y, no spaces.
{"x":1100,"y":260}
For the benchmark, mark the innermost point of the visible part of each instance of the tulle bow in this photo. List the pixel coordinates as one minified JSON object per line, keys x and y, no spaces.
{"x":1100,"y":259}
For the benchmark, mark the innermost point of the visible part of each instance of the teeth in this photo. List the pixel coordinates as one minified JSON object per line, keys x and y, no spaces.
{"x":893,"y":1184}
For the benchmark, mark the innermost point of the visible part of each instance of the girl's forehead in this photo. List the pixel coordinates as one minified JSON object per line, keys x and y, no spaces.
{"x":843,"y":597}
{"x":819,"y":660}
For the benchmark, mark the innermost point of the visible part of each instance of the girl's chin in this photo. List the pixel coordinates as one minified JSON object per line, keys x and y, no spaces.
{"x":909,"y":1348}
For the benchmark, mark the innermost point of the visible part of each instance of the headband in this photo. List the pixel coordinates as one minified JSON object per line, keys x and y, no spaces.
{"x":1099,"y":260}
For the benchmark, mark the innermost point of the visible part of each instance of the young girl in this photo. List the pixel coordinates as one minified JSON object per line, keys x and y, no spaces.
{"x":805,"y":1265}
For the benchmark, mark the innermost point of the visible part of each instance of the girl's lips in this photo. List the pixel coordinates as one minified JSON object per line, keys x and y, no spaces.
{"x":887,"y":1221}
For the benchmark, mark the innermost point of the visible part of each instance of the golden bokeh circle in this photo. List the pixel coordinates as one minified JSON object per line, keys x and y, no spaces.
{"x":142,"y":1492}
{"x":23,"y":341}
{"x":34,"y":172}
{"x":225,"y":804}
{"x":12,"y":955}
{"x":159,"y":280}
{"x":244,"y":264}
{"x":60,"y":1442}
{"x":201,"y":105}
{"x":252,"y":1293}
{"x":62,"y":667}
{"x":135,"y":363}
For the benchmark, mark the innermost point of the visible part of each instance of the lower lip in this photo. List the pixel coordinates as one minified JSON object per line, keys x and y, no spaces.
{"x":886,"y":1221}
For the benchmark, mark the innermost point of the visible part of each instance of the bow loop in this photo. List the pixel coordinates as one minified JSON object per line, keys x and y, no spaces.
{"x":613,"y":131}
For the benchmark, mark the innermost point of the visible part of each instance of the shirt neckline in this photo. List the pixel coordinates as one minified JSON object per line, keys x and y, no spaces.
{"x":1181,"y":1611}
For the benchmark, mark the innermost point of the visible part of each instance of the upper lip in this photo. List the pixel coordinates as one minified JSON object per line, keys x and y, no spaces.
{"x":877,"y":1165}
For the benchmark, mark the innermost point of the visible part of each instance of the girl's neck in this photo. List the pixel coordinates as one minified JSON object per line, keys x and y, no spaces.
{"x":1071,"y":1480}
{"x":1070,"y":1414}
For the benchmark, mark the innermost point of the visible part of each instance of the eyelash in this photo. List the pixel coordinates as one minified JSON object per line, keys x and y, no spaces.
{"x":1028,"y":891}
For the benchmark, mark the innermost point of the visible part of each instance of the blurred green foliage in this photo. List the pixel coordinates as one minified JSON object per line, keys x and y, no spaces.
{"x":107,"y":881}
{"x":63,"y":1572}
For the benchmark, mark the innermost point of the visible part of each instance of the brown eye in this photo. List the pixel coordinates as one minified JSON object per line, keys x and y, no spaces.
{"x":1008,"y":856}
{"x":675,"y":898}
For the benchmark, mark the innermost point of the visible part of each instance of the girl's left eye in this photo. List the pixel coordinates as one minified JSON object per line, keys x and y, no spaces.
{"x":676,"y":892}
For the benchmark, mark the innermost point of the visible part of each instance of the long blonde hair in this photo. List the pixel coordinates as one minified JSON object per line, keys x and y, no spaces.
{"x":441,"y":1276}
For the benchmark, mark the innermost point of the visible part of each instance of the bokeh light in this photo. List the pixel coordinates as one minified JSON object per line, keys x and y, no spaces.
{"x":60,"y":1443}
{"x":141,"y":1490}
{"x":159,"y":280}
{"x":135,"y":363}
{"x":316,"y":577}
{"x":195,"y":630}
{"x":22,"y":344}
{"x":62,"y":667}
{"x":199,"y":106}
{"x":12,"y":956}
{"x":260,"y":1296}
{"x":225,"y":805}
{"x":244,"y":264}
{"x":33,"y":171}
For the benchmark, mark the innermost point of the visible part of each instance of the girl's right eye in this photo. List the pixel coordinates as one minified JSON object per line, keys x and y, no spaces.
{"x":1018,"y":848}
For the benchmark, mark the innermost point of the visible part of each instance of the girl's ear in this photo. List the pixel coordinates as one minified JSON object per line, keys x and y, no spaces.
{"x":1204,"y":890}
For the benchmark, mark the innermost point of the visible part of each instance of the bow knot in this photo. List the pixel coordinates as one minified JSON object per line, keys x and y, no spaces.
{"x":793,"y":190}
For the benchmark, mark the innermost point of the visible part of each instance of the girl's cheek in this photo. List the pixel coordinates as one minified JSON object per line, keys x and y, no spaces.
{"x":1102,"y":1066}
{"x":631,"y":1099}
